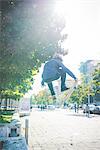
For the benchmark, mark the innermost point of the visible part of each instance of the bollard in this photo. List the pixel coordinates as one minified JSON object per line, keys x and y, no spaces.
{"x":26,"y":129}
{"x":1,"y":145}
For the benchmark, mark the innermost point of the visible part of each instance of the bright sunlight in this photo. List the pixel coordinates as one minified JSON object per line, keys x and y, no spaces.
{"x":60,"y":7}
{"x":82,"y":27}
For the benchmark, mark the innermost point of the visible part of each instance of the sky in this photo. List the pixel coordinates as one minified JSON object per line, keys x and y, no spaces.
{"x":83,"y":29}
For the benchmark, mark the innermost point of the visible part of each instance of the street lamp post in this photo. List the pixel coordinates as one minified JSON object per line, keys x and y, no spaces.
{"x":89,"y":91}
{"x":88,"y":104}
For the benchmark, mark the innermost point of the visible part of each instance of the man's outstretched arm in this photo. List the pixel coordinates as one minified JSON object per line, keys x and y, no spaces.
{"x":70,"y":73}
{"x":66,"y":70}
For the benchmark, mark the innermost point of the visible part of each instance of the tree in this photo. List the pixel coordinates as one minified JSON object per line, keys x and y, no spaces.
{"x":43,"y":97}
{"x":80,"y":94}
{"x":92,"y":88}
{"x":96,"y":84}
{"x":96,"y":81}
{"x":30,"y":34}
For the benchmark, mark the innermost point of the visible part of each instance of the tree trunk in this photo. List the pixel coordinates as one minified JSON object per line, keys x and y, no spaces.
{"x":0,"y":102}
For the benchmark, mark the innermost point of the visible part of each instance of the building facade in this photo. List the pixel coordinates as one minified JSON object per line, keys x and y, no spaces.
{"x":87,"y":68}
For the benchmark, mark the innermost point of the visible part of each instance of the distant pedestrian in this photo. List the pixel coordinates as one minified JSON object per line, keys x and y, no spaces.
{"x":87,"y":110}
{"x":75,"y":106}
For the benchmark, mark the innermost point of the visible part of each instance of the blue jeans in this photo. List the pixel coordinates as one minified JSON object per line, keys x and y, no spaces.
{"x":50,"y":85}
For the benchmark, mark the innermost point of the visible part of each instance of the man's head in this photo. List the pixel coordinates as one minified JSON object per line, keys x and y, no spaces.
{"x":58,"y":56}
{"x":63,"y":52}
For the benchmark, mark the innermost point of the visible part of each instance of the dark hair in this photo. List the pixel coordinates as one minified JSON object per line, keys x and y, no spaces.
{"x":57,"y":56}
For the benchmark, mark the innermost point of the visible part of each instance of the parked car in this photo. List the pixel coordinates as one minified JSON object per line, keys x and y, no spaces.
{"x":91,"y":108}
{"x":51,"y":107}
{"x":97,"y":110}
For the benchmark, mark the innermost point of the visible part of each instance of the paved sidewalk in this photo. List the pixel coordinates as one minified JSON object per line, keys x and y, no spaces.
{"x":63,"y":130}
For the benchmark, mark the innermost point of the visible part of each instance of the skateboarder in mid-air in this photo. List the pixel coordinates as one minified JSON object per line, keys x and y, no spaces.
{"x":53,"y":70}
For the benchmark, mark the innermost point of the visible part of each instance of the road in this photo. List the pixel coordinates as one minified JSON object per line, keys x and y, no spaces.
{"x":63,"y":130}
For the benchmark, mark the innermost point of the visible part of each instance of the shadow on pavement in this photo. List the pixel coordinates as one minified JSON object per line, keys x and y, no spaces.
{"x":82,"y":115}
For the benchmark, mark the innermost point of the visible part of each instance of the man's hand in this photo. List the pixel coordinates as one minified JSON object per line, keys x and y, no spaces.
{"x":42,"y":83}
{"x":76,"y":81}
{"x":75,"y":84}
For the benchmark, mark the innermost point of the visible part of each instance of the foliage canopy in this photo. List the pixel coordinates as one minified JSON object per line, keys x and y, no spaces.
{"x":30,"y":35}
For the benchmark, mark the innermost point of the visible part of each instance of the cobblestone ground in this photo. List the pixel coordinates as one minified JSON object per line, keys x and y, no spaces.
{"x":63,"y":130}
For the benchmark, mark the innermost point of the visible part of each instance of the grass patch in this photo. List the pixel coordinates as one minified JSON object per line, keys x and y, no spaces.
{"x":5,"y":118}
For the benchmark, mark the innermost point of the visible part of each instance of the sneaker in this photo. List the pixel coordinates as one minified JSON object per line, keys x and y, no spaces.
{"x":64,"y":89}
{"x":54,"y":97}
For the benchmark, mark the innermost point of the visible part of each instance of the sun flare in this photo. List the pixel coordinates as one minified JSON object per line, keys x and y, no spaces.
{"x":60,"y":7}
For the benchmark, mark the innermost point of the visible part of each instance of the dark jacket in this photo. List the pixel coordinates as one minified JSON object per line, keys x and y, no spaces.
{"x":53,"y":69}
